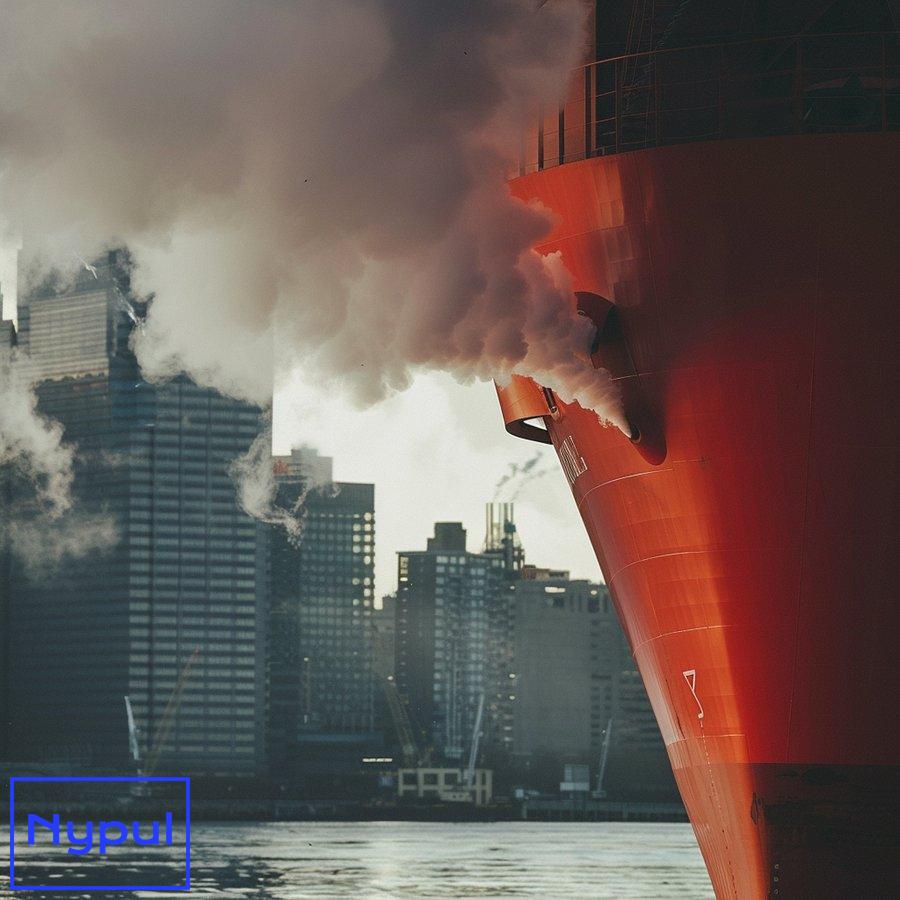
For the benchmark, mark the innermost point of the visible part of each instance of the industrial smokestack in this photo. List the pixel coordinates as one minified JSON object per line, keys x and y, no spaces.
{"x":501,"y":537}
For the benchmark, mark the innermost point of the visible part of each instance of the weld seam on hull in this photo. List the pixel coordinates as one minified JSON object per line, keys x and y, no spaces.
{"x":679,"y":631}
{"x":621,"y":478}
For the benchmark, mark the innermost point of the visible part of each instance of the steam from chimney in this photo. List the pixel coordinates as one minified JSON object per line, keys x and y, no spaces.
{"x":315,"y":185}
{"x":514,"y":475}
{"x":510,"y":485}
{"x":530,"y":476}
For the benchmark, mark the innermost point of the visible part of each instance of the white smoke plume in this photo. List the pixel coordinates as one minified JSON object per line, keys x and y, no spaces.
{"x":41,"y":544}
{"x":40,"y":525}
{"x":318,"y":184}
{"x":31,"y":443}
{"x":256,"y":488}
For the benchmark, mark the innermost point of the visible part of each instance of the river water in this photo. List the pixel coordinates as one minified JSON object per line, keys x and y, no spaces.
{"x":284,"y":861}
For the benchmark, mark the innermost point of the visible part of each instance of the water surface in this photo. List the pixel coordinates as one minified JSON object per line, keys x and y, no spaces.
{"x":284,"y":861}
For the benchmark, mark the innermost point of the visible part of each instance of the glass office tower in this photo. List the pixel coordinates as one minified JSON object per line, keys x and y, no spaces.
{"x":172,"y":612}
{"x":443,"y":634}
{"x":321,"y":705}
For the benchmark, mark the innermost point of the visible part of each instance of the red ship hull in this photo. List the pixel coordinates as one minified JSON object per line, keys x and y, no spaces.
{"x":750,"y":538}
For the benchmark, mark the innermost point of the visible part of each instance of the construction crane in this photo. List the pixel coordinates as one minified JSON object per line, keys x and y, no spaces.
{"x":165,"y":725}
{"x":306,"y":689}
{"x":133,"y":742}
{"x":410,"y":751}
{"x":604,"y":754}
{"x":476,"y":740}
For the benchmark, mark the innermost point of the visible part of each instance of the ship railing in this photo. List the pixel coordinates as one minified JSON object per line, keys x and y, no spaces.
{"x":808,"y":84}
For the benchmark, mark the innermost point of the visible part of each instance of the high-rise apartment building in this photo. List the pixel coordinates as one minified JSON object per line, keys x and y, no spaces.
{"x":501,"y":542}
{"x":172,"y":610}
{"x":321,"y":681}
{"x":443,"y":636}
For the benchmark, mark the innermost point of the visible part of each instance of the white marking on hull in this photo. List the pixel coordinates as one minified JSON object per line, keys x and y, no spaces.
{"x":690,"y":676}
{"x":572,"y":462}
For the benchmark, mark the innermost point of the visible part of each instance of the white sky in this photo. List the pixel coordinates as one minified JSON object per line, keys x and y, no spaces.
{"x":435,"y":454}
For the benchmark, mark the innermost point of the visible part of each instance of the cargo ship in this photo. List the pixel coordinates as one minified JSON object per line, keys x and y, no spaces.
{"x":724,"y":184}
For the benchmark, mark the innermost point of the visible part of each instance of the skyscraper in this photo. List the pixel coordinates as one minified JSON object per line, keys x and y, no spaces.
{"x":444,"y":596}
{"x":7,"y":343}
{"x":172,"y":612}
{"x":321,"y":712}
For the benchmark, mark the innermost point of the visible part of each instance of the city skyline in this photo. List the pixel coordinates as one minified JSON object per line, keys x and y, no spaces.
{"x":426,"y":467}
{"x":437,"y":452}
{"x":242,"y":650}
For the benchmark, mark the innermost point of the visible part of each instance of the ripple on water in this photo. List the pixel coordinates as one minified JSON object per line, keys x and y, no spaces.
{"x":294,"y":860}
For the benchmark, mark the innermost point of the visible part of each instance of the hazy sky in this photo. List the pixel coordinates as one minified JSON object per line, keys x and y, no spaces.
{"x":435,"y":453}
